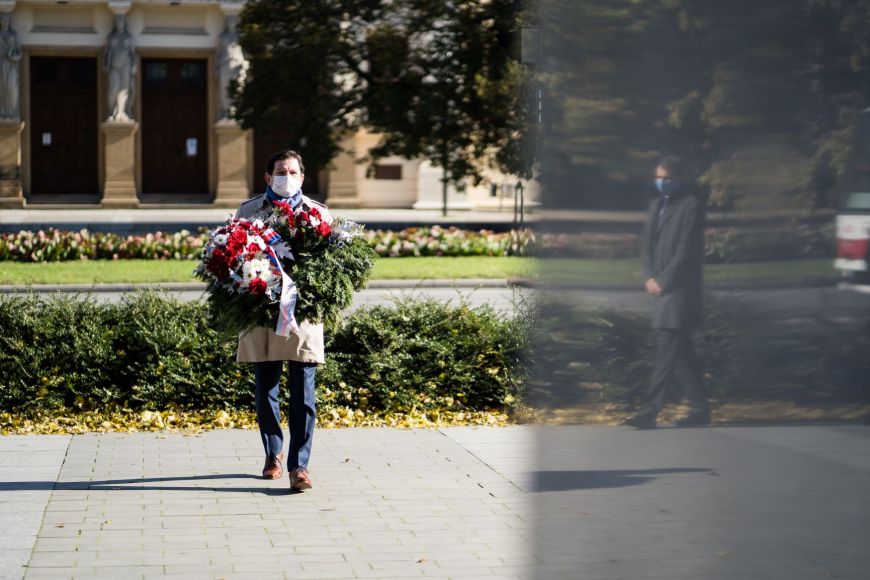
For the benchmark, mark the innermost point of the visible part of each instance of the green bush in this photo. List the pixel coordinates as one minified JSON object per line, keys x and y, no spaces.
{"x":596,"y":355}
{"x":151,"y":352}
{"x":757,"y":244}
{"x":146,"y":352}
{"x":426,"y":354}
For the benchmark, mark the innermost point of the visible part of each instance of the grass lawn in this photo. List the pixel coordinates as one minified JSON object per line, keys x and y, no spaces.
{"x":133,"y":271}
{"x":590,"y":271}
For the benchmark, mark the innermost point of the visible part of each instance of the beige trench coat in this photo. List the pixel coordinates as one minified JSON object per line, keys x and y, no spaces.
{"x":261,"y":343}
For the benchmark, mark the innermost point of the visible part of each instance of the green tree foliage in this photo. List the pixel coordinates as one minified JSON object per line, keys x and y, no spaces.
{"x":300,"y":81}
{"x":437,"y":78}
{"x":443,"y":83}
{"x":760,"y":97}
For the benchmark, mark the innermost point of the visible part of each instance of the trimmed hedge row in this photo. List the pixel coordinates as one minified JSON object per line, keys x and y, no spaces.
{"x":722,"y":244}
{"x":151,"y":352}
{"x":594,"y":355}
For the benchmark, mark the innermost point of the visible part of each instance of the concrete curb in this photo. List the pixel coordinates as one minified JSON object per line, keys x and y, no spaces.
{"x":809,"y":282}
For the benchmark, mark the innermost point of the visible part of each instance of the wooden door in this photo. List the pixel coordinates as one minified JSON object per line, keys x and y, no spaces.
{"x":64,"y":127}
{"x":174,"y":126}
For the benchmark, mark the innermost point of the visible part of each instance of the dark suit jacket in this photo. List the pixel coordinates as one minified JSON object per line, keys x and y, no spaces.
{"x":672,"y":251}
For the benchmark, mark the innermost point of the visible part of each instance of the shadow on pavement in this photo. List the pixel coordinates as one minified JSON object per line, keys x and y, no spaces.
{"x":573,"y":480}
{"x":138,"y":484}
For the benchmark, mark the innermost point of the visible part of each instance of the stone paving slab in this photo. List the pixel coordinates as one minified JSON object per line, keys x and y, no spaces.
{"x":590,"y":502}
{"x":387,"y":504}
{"x":28,"y":469}
{"x":747,"y":502}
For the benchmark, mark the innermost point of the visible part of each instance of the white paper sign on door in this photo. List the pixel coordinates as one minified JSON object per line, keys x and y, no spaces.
{"x":191,"y":147}
{"x":46,"y":138}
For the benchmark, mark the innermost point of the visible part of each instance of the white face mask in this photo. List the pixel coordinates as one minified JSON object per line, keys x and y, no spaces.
{"x":285,"y":185}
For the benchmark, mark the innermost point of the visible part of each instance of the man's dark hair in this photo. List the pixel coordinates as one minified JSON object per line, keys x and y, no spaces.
{"x":281,"y":155}
{"x":675,"y":165}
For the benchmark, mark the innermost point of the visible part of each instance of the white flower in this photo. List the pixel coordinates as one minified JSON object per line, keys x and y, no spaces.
{"x":256,"y":240}
{"x":257,"y":269}
{"x":220,"y":239}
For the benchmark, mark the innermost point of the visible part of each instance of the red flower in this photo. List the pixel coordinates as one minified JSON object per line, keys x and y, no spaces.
{"x":315,"y":212}
{"x":304,"y":217}
{"x":238,"y":236}
{"x":220,"y":264}
{"x":258,"y":287}
{"x":253,"y":249}
{"x":323,"y":229}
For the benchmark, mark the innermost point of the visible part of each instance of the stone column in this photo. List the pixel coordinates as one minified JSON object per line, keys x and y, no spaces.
{"x":232,"y":164}
{"x":119,"y":190}
{"x":343,"y":191}
{"x":10,"y":164}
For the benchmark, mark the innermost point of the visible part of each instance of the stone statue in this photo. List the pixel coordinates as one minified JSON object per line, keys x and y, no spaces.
{"x":10,"y":55}
{"x":231,"y":64}
{"x":120,"y":65}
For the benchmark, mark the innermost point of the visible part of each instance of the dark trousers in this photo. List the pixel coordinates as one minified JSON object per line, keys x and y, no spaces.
{"x":300,"y":379}
{"x":674,"y":354}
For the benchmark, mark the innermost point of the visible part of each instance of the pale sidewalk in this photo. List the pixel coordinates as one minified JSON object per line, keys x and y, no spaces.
{"x":590,"y":502}
{"x":387,"y":503}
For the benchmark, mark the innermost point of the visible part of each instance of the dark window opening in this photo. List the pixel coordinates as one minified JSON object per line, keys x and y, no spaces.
{"x":388,"y":172}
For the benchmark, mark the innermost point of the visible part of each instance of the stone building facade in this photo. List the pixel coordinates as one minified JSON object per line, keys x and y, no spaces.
{"x":122,"y":104}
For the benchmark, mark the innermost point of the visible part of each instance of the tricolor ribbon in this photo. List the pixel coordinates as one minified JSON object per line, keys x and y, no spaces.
{"x":286,"y":319}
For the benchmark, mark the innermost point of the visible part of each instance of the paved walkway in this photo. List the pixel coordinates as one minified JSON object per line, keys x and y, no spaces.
{"x":387,"y":504}
{"x":597,"y":503}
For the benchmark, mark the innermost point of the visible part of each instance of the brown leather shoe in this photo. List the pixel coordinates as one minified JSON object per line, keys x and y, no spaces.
{"x":299,"y":479}
{"x":273,"y":469}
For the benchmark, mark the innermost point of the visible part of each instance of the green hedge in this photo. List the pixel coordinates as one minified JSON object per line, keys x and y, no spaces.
{"x":151,"y":352}
{"x":756,"y":244}
{"x":600,"y":355}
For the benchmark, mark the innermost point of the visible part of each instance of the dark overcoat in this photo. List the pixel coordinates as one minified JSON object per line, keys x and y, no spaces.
{"x":672,"y":252}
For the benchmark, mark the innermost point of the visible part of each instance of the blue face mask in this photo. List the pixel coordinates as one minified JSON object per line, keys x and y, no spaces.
{"x":668,"y":187}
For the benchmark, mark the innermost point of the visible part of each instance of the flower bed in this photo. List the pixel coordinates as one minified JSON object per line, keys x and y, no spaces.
{"x":735,"y":244}
{"x":56,"y":245}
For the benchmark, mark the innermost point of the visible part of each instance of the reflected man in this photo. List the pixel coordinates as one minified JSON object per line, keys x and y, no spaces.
{"x":672,"y":253}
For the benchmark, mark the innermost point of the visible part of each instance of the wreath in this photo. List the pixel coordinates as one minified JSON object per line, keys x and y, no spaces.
{"x":292,"y":266}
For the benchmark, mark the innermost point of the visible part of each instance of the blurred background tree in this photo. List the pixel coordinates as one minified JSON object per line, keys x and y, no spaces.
{"x":445,"y":85}
{"x":438,"y":79}
{"x":301,"y":83}
{"x":759,"y":97}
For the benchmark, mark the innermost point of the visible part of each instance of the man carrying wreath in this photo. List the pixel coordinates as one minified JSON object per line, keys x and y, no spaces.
{"x":303,"y":349}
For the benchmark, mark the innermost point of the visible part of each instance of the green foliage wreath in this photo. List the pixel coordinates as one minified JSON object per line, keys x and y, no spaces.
{"x":326,"y":273}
